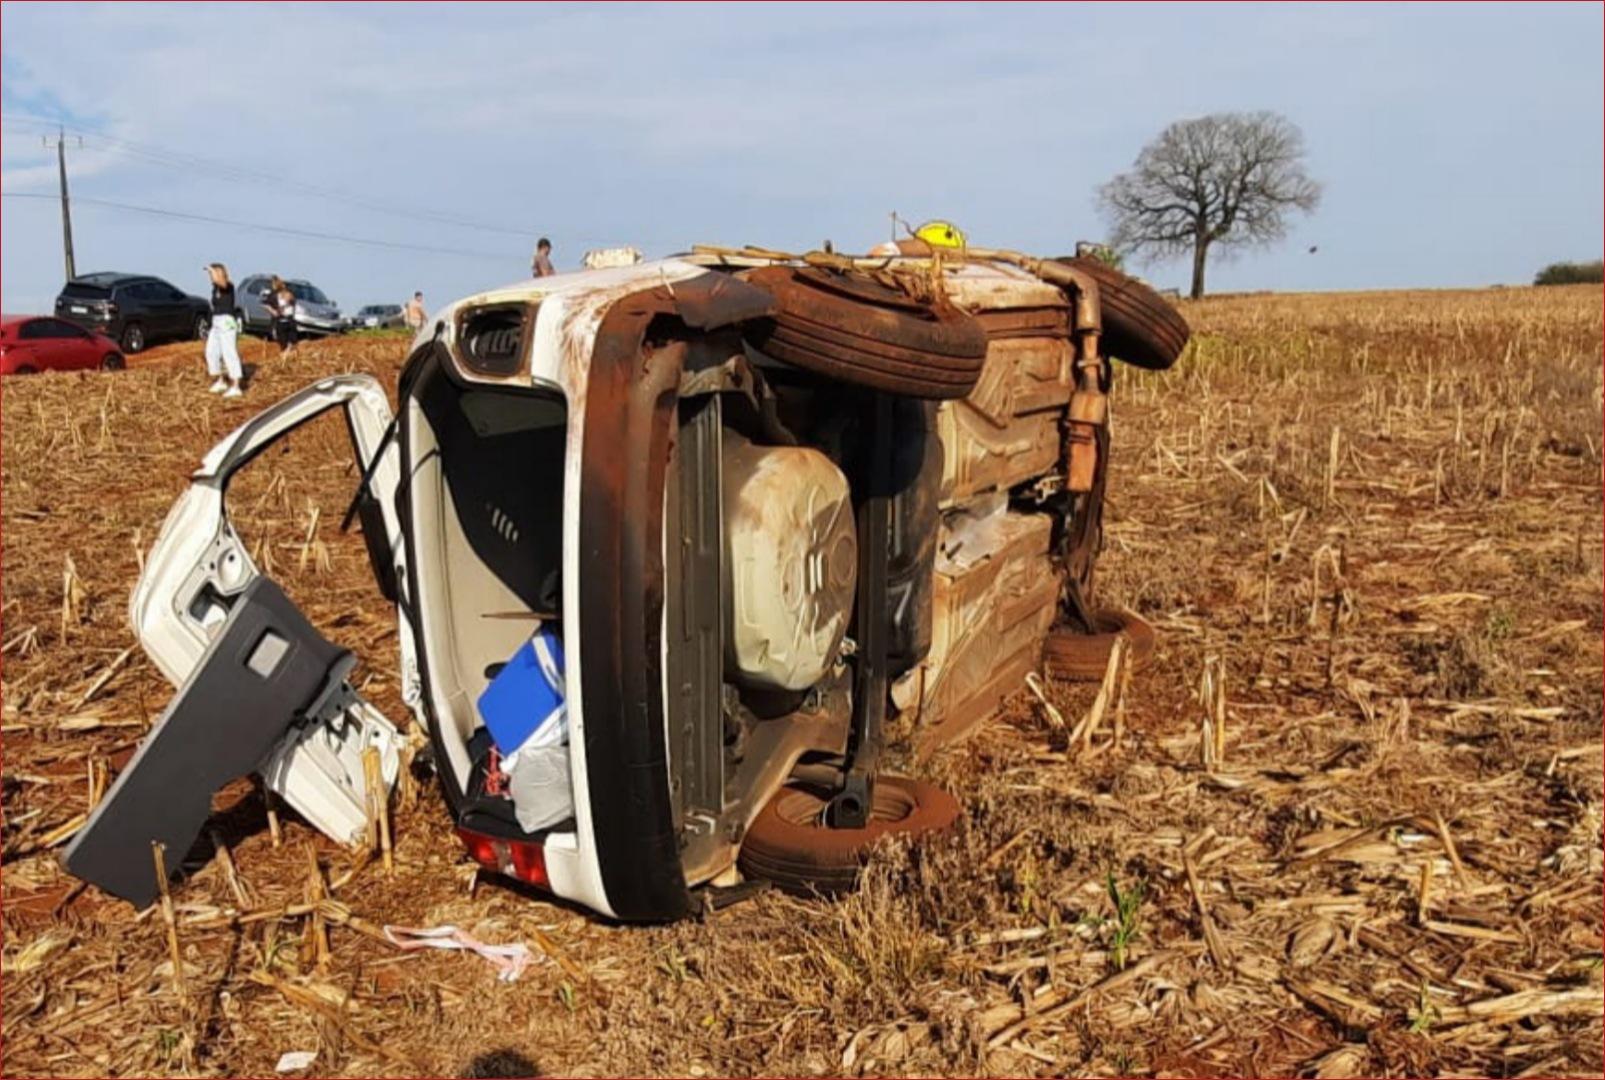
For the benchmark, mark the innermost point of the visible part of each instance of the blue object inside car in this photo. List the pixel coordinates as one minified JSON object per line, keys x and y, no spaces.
{"x":523,"y":705}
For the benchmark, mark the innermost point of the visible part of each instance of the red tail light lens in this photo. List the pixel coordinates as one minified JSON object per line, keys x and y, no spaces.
{"x":519,"y":859}
{"x":529,"y":864}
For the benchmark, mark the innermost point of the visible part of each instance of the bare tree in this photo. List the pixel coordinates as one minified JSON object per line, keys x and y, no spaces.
{"x":1228,"y":178}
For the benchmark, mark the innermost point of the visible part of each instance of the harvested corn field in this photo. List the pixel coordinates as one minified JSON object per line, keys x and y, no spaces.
{"x":1347,"y":821}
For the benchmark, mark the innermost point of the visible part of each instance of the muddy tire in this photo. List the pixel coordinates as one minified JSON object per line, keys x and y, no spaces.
{"x":1068,"y":654}
{"x":851,"y":328}
{"x":1139,"y":326}
{"x":789,"y":844}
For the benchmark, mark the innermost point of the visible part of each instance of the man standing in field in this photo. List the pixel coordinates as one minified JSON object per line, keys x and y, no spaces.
{"x":542,"y":264}
{"x":414,"y":314}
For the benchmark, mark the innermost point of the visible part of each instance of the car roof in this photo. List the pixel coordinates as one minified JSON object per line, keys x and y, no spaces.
{"x":287,"y":281}
{"x":106,"y":278}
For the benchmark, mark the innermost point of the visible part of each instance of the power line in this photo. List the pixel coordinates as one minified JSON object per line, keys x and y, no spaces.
{"x":281,"y":229}
{"x":180,"y":160}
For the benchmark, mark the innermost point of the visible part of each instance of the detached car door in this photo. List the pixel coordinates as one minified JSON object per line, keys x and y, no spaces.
{"x":260,"y":689}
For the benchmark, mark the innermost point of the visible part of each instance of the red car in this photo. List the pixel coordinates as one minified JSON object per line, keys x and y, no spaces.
{"x":30,"y":343}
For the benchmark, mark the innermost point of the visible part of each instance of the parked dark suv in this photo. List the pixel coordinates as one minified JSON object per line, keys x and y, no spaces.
{"x":134,"y":310}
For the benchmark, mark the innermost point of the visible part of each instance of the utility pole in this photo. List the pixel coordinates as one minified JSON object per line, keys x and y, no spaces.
{"x":66,"y":205}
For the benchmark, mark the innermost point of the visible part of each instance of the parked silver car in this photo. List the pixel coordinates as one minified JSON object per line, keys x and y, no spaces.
{"x":377,"y":317}
{"x":315,"y":313}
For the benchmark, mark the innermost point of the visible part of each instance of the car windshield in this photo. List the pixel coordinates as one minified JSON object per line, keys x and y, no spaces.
{"x":310,"y":293}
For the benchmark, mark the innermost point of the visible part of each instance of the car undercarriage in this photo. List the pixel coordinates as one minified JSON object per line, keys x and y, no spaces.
{"x":772,"y":511}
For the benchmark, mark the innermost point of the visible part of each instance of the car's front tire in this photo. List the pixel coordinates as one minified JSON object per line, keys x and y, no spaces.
{"x":113,"y":362}
{"x":203,"y":326}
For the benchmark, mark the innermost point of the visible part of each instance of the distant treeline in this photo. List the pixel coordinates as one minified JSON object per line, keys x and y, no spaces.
{"x":1572,"y":273}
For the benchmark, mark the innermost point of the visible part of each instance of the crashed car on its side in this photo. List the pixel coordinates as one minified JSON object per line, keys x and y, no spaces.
{"x":744,"y":509}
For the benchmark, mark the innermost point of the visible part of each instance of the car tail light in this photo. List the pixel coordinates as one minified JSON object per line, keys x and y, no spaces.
{"x":521,"y":859}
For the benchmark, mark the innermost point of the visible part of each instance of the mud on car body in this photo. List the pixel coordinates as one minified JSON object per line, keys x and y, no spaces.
{"x":763,"y":503}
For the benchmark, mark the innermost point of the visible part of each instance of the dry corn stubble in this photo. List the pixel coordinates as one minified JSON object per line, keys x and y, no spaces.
{"x":1391,"y":862}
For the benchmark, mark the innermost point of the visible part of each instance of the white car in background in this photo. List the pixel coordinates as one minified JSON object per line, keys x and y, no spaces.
{"x":377,"y":317}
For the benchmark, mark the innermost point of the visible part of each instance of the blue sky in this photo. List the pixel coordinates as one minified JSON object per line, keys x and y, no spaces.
{"x":1458,"y":145}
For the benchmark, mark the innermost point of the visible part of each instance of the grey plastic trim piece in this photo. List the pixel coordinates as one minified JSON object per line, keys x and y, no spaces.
{"x":263,"y":672}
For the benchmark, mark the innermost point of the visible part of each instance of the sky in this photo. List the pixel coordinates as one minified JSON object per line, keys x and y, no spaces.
{"x":1457,"y":145}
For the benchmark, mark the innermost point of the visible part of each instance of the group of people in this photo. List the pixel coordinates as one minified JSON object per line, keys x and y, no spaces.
{"x":223,"y":338}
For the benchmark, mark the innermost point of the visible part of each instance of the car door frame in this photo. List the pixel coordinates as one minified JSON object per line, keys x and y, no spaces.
{"x":199,"y":569}
{"x":44,"y":349}
{"x":78,"y":348}
{"x":198,"y":548}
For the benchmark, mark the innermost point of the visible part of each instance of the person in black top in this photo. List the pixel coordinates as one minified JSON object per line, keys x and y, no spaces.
{"x":281,"y":302}
{"x":222,"y":340}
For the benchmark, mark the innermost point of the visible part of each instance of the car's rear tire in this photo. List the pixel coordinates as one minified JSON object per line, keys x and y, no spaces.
{"x":789,"y":844}
{"x":133,"y":338}
{"x":112,"y":362}
{"x":24,"y":369}
{"x":1139,"y":326}
{"x":203,"y":326}
{"x":1077,"y":657}
{"x":853,"y":328}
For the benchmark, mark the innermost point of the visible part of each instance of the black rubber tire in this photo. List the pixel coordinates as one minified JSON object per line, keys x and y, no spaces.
{"x":789,"y":844}
{"x":112,"y":362}
{"x":24,"y":369}
{"x":203,"y":326}
{"x":851,"y":328}
{"x":1139,"y":326}
{"x":133,"y":338}
{"x":1076,"y":657}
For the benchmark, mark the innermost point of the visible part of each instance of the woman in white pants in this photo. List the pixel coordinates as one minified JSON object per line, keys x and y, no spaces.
{"x":222,"y":340}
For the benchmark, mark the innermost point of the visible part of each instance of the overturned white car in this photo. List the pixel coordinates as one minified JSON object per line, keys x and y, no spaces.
{"x":668,"y":544}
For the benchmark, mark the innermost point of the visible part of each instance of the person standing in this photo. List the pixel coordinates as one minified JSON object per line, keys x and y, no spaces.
{"x":414,"y":314}
{"x":281,"y":302}
{"x":222,"y":339}
{"x":542,"y":265}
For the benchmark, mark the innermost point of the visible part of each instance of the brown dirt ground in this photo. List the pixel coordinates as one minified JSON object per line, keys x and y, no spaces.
{"x":1374,"y":521}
